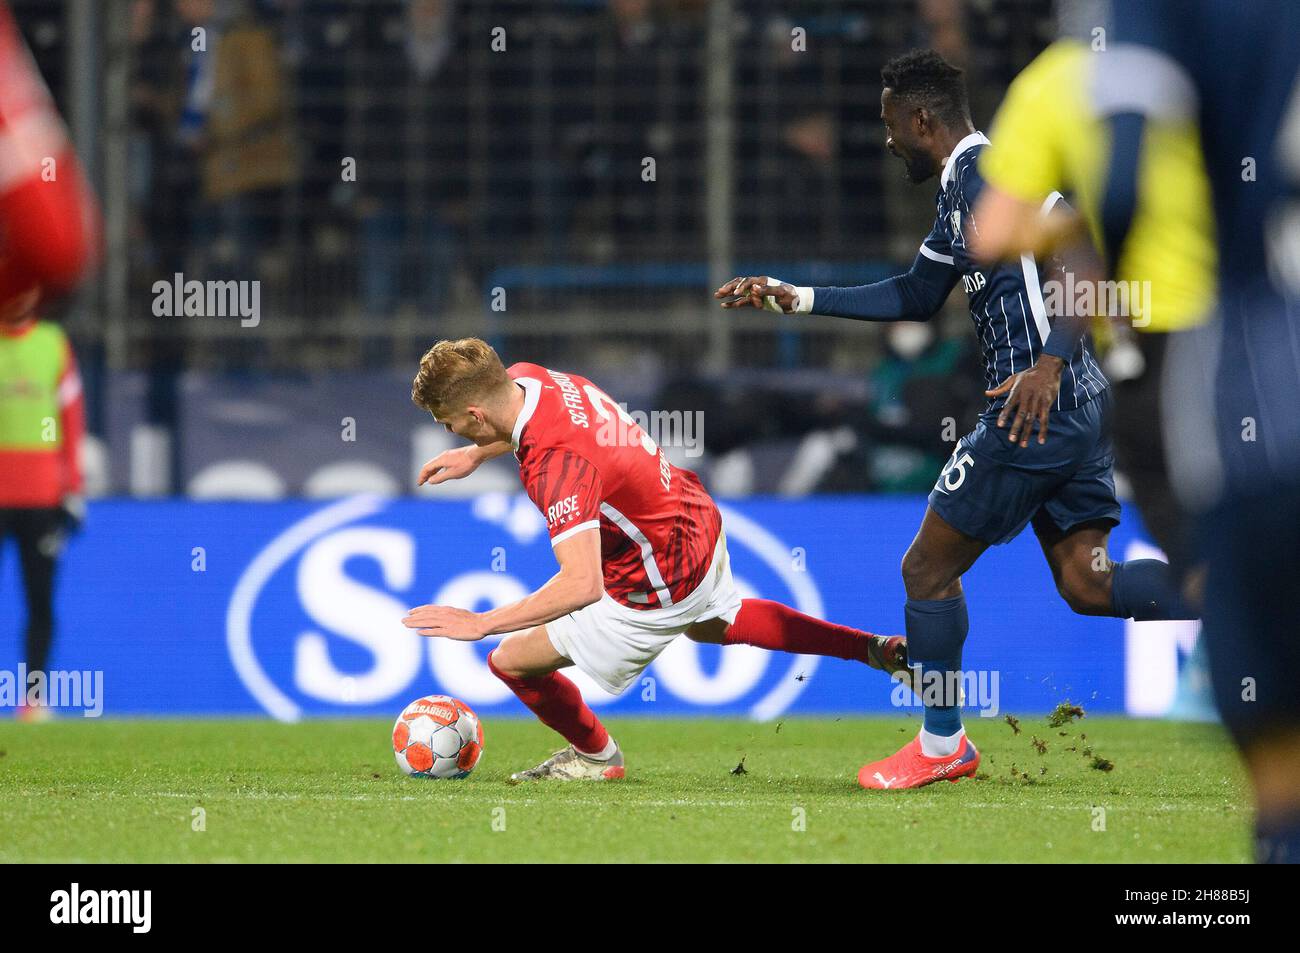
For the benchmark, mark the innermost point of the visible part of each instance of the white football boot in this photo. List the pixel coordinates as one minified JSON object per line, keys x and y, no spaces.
{"x":569,"y":764}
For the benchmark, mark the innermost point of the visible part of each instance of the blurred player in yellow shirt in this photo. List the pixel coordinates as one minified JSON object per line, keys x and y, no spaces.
{"x":1049,"y":137}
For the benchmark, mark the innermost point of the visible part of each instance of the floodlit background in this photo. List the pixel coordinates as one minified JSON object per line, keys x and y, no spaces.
{"x":569,"y":180}
{"x":382,"y":171}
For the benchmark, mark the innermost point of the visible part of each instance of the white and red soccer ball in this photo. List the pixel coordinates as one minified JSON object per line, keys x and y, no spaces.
{"x":437,"y":737}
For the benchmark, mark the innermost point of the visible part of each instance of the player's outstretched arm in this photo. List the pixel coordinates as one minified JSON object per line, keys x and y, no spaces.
{"x":915,"y":296}
{"x":762,"y":292}
{"x":578,"y":584}
{"x":458,"y":463}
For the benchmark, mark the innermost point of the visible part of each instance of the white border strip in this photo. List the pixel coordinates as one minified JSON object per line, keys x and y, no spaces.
{"x":573,"y":530}
{"x":647,"y":552}
{"x":1036,"y":303}
{"x":933,"y":255}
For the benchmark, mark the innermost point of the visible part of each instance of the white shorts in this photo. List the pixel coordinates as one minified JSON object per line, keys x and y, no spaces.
{"x":613,"y":644}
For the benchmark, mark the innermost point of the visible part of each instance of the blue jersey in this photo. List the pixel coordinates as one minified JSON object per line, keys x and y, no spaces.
{"x":1235,"y":67}
{"x":990,"y":488}
{"x":1006,"y":300}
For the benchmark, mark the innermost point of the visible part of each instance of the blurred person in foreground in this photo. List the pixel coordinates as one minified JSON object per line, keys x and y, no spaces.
{"x":1232,"y":387}
{"x":48,"y":241}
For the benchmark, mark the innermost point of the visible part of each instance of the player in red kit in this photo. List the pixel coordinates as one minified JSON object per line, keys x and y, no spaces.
{"x":641,"y":547}
{"x":49,"y":221}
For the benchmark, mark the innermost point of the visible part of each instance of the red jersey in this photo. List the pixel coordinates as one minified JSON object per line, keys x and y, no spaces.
{"x":49,"y":221}
{"x":587,"y":464}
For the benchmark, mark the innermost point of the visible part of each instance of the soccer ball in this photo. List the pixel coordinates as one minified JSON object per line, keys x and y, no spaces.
{"x":437,"y":737}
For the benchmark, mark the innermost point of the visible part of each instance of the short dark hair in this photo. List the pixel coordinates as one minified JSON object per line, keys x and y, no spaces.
{"x":924,"y":78}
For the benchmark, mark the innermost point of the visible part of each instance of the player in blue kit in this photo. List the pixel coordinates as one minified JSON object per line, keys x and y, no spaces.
{"x":1233,"y":386}
{"x":1013,"y":469}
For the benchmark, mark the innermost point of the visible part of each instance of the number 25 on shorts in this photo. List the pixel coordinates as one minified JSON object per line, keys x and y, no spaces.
{"x":954,"y":474}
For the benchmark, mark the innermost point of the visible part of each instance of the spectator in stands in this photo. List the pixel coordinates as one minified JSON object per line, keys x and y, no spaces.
{"x":921,"y":378}
{"x":788,"y":144}
{"x":238,"y":122}
{"x":411,"y":162}
{"x":632,"y":102}
{"x":152,"y":116}
{"x":318,"y":40}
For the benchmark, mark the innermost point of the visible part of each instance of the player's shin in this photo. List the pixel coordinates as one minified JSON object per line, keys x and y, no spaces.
{"x":1146,"y":590}
{"x":936,"y":632}
{"x":771,"y":625}
{"x":557,"y":702}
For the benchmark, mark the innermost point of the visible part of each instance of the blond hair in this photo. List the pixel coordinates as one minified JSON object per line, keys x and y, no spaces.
{"x":455,"y":374}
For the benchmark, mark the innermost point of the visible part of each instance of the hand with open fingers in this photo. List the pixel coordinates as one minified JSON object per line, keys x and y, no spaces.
{"x":449,"y":465}
{"x":754,"y":292}
{"x":1030,"y":395}
{"x":446,"y":622}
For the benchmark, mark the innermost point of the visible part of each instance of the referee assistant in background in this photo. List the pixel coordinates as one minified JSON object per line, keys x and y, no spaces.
{"x":42,"y":419}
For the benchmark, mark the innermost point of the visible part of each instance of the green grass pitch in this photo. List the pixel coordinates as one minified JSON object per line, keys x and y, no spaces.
{"x":120,"y":791}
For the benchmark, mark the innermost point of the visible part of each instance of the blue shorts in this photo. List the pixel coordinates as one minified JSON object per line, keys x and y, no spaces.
{"x":990,"y":489}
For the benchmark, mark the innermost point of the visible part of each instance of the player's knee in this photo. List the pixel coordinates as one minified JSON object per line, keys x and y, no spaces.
{"x":709,"y":632}
{"x":924,"y":577}
{"x":504,"y":662}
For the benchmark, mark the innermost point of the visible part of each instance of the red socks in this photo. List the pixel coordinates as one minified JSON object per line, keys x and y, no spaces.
{"x":558,"y":703}
{"x":770,"y":625}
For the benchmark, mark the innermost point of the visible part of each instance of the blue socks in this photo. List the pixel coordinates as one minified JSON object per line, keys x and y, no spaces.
{"x":936,"y":632}
{"x":1141,"y":589}
{"x":1146,"y":589}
